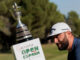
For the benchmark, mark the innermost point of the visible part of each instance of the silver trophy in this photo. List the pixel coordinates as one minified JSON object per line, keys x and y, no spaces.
{"x":22,"y":33}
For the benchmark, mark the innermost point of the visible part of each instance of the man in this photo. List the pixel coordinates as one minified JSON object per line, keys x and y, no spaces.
{"x":64,"y":39}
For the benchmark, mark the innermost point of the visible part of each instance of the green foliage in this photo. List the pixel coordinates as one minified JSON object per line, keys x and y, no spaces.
{"x":74,"y":22}
{"x":4,"y":23}
{"x":5,"y":16}
{"x":40,"y":15}
{"x":3,"y":8}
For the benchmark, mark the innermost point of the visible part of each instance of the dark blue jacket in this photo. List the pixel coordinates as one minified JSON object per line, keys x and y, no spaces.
{"x":75,"y":53}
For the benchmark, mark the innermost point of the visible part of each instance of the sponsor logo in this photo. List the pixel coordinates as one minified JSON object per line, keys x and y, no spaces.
{"x":33,"y":51}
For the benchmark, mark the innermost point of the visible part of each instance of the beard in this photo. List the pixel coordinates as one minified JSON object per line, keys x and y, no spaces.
{"x":64,"y":44}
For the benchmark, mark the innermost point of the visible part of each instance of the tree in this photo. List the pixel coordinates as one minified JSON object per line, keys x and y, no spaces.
{"x":6,"y":24}
{"x":39,"y":15}
{"x":73,"y":21}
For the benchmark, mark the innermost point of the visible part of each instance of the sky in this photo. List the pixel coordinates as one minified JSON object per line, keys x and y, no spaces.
{"x":65,"y":6}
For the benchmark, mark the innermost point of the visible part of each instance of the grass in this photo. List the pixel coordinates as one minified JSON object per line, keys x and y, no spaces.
{"x":6,"y":56}
{"x":50,"y":51}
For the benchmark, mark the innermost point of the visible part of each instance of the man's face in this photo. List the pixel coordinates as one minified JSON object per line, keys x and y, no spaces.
{"x":61,"y":41}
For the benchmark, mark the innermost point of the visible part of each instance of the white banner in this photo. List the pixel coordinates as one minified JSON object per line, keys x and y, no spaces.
{"x":29,"y":50}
